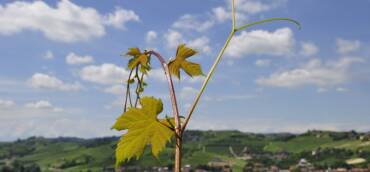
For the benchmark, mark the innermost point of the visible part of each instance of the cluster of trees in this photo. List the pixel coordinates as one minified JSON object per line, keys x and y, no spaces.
{"x":17,"y":166}
{"x":68,"y":163}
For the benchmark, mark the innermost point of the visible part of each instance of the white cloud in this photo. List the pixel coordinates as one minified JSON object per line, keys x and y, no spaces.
{"x":6,"y":103}
{"x":157,"y":75}
{"x":277,"y":43}
{"x":196,"y":79}
{"x":74,"y":59}
{"x":188,"y":93}
{"x":254,"y":7}
{"x":120,"y":17}
{"x":104,"y":74}
{"x":313,"y":73}
{"x":230,"y":62}
{"x":173,"y":38}
{"x":48,"y":55}
{"x":322,"y":90}
{"x":201,"y":43}
{"x":259,"y":125}
{"x":228,"y":98}
{"x":151,"y":36}
{"x":308,"y":49}
{"x":263,"y":62}
{"x":67,"y":22}
{"x":115,"y":89}
{"x":347,"y":46}
{"x":43,"y":105}
{"x":245,"y":9}
{"x":54,"y":124}
{"x":221,"y":14}
{"x":251,"y":7}
{"x":192,"y":22}
{"x":43,"y":118}
{"x":44,"y":81}
{"x":341,"y":89}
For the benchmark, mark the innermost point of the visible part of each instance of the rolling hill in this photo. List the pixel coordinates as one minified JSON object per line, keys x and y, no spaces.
{"x":321,"y":148}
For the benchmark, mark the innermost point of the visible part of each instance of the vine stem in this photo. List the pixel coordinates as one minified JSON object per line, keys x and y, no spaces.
{"x":128,"y":96}
{"x":221,"y":53}
{"x":178,"y":129}
{"x":269,"y":20}
{"x":209,"y":75}
{"x":211,"y":71}
{"x":172,"y":89}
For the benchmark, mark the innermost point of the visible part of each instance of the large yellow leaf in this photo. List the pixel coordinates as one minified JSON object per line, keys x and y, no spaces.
{"x":143,"y":128}
{"x":180,"y":62}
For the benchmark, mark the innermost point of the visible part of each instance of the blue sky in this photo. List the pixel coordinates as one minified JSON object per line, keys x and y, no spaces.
{"x":61,"y":72}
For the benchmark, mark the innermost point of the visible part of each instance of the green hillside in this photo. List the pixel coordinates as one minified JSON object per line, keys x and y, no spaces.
{"x":201,"y":149}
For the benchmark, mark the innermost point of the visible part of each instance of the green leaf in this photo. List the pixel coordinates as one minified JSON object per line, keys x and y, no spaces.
{"x":143,"y":128}
{"x":180,"y":62}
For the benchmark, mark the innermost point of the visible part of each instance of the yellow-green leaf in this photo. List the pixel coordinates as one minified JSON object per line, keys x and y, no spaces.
{"x":130,"y":81}
{"x":180,"y":62}
{"x":138,"y":58}
{"x":144,"y":68}
{"x":184,"y":52}
{"x":174,"y":67}
{"x":151,"y":106}
{"x":143,"y":128}
{"x":142,"y":59}
{"x":133,"y":52}
{"x":192,"y":69}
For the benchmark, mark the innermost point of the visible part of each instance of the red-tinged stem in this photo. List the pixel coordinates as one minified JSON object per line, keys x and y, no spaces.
{"x":178,"y":131}
{"x":128,"y":94}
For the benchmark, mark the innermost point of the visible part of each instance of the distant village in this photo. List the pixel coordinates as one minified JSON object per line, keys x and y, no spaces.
{"x":261,"y":161}
{"x":218,"y":165}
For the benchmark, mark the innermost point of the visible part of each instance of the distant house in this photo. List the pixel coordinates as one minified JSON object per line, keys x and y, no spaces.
{"x":340,"y":170}
{"x":219,"y":163}
{"x":304,"y":166}
{"x":259,"y":167}
{"x":274,"y":169}
{"x":200,"y":170}
{"x":365,"y":137}
{"x":356,"y":161}
{"x":281,"y":155}
{"x":187,"y":168}
{"x":244,"y":155}
{"x":359,"y":170}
